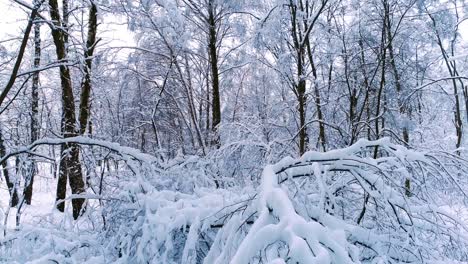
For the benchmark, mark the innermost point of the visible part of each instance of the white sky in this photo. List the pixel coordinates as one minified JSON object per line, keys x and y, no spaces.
{"x":10,"y":16}
{"x":13,"y":20}
{"x":464,"y":29}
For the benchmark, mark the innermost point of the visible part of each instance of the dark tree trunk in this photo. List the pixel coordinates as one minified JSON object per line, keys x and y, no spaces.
{"x":86,"y":84}
{"x":302,"y":100}
{"x":301,"y":43}
{"x":300,"y":85}
{"x":380,"y":94}
{"x":403,"y":109}
{"x":318,"y":101}
{"x":216,"y":102}
{"x":65,"y":14}
{"x":70,"y":166}
{"x":12,"y":188}
{"x":28,"y":189}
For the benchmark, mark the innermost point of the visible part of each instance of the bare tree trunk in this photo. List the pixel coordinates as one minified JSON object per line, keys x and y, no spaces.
{"x":453,"y":73}
{"x":12,"y":188}
{"x":208,"y":110}
{"x":367,"y":86}
{"x":65,"y":15}
{"x":318,"y":101}
{"x":300,"y":86}
{"x":28,"y":190}
{"x":70,"y":166}
{"x":322,"y":141}
{"x":216,"y":102}
{"x":301,"y":42}
{"x":88,"y":56}
{"x":383,"y":58}
{"x":402,"y":108}
{"x":302,"y":107}
{"x":192,"y":109}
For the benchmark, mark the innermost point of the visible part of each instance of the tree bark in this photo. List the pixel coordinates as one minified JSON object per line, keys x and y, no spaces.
{"x":318,"y":101}
{"x":383,"y":59}
{"x":70,"y":167}
{"x":403,"y":109}
{"x":300,"y":85}
{"x":28,"y":190}
{"x":88,"y":55}
{"x":216,"y":102}
{"x":301,"y":43}
{"x":12,"y":188}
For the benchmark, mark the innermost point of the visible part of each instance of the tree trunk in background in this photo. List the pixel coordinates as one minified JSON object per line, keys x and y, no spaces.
{"x":28,"y":189}
{"x":302,"y":101}
{"x":208,"y":109}
{"x":403,"y":109}
{"x":383,"y":59}
{"x":216,"y":102}
{"x":70,"y":166}
{"x":301,"y":43}
{"x":300,"y":85}
{"x":88,"y":55}
{"x":12,"y":188}
{"x":322,"y":142}
{"x":302,"y":108}
{"x":65,"y":15}
{"x":453,"y":73}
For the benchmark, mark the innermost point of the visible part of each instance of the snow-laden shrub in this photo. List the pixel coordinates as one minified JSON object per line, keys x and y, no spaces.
{"x":372,"y":202}
{"x":47,"y":244}
{"x":342,"y":206}
{"x":346,"y":206}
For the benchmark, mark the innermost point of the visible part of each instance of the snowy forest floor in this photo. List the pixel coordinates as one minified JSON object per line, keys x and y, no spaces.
{"x":42,"y":205}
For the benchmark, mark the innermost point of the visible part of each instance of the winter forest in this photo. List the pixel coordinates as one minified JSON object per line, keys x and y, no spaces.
{"x":234,"y":131}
